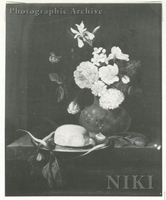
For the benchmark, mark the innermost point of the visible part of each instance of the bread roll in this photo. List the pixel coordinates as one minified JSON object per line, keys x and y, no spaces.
{"x":71,"y":135}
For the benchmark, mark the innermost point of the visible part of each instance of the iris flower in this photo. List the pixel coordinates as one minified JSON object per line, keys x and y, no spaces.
{"x":117,"y":53}
{"x":82,"y":35}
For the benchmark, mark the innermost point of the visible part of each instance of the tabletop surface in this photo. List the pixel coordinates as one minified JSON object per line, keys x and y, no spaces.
{"x":86,"y":176}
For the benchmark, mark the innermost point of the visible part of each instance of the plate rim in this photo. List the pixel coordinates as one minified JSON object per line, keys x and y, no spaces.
{"x":77,"y":151}
{"x":74,"y":150}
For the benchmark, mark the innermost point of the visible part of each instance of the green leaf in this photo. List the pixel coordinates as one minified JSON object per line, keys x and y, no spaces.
{"x":134,"y":91}
{"x":121,"y":142}
{"x":121,"y":86}
{"x":47,"y":175}
{"x":132,"y":67}
{"x":66,"y":90}
{"x":130,"y":139}
{"x":56,"y":78}
{"x":51,"y":172}
{"x":60,"y":93}
{"x":137,"y":139}
{"x":56,"y":173}
{"x":130,"y":90}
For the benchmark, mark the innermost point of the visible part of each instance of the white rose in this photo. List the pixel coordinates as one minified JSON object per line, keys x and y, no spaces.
{"x":86,"y":75}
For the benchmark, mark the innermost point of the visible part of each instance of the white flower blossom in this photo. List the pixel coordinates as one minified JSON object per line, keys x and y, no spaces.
{"x":73,"y":108}
{"x":86,"y":74}
{"x":117,"y":53}
{"x":99,"y":56}
{"x":109,"y":74}
{"x":111,"y":99}
{"x":99,"y":88}
{"x":98,"y":50}
{"x":82,"y":35}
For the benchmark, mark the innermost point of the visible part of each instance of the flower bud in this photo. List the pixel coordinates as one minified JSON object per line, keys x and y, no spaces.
{"x":125,"y":79}
{"x":39,"y":157}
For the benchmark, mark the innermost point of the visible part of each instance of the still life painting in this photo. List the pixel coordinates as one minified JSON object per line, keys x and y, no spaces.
{"x":83,"y":100}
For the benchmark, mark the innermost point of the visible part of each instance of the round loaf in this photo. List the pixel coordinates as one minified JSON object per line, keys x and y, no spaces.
{"x":71,"y":135}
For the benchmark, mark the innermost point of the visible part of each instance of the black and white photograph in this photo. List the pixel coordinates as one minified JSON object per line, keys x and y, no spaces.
{"x":83,"y":99}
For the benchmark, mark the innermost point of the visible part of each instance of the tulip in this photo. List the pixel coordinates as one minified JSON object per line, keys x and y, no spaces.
{"x":73,"y":108}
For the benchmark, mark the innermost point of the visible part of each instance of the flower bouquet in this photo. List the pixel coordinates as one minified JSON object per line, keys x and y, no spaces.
{"x":109,"y":76}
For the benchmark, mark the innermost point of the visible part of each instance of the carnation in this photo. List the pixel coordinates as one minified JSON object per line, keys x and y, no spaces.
{"x":99,"y":88}
{"x":86,"y":75}
{"x":111,"y":99}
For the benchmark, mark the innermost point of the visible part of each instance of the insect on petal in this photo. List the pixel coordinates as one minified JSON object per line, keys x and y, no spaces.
{"x":53,"y":58}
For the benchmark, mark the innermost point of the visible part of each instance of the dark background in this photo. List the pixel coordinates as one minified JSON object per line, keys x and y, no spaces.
{"x":30,"y":95}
